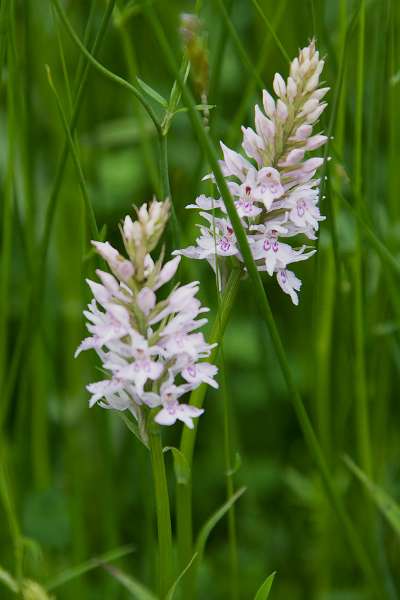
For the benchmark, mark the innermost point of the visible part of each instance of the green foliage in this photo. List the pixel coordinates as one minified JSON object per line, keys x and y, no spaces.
{"x":386,"y":504}
{"x":265,"y":588}
{"x":78,"y":148}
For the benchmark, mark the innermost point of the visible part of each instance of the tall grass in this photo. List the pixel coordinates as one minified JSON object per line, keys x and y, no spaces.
{"x":81,"y":141}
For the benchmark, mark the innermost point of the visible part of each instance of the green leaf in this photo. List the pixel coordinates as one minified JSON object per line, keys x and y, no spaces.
{"x":176,"y":94}
{"x":137,"y":589}
{"x":8,"y":580}
{"x":200,"y":107}
{"x":152,"y":93}
{"x":137,"y":429}
{"x":236,"y":466}
{"x":181,"y":465}
{"x":173,"y":587}
{"x":89,"y":565}
{"x":213,"y":520}
{"x":389,"y":507}
{"x":265,"y":588}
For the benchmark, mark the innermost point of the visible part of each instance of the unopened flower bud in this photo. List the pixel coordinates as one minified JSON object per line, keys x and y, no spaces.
{"x":279,"y":85}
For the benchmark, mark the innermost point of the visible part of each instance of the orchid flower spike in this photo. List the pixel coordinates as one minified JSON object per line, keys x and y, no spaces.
{"x":150,"y":349}
{"x":274,"y":188}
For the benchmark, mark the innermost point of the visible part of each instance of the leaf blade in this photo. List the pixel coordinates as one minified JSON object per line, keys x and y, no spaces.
{"x":265,"y":588}
{"x":388,"y":507}
{"x":135,"y":587}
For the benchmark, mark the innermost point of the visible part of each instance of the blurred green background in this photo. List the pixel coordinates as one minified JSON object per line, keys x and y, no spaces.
{"x":76,"y":479}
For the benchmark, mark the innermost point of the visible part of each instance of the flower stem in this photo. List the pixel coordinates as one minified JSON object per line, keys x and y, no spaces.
{"x":229,"y":471}
{"x":166,"y":189}
{"x":188,"y":439}
{"x":163,"y":513}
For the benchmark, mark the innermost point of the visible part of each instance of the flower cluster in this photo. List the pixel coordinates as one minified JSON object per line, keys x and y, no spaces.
{"x":149,"y":348}
{"x":275,"y":189}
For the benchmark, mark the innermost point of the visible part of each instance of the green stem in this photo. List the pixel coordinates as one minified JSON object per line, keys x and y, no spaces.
{"x":131,"y":63}
{"x":11,"y":515}
{"x":271,"y":30}
{"x":360,"y":379}
{"x":247,"y":62}
{"x":102,"y":69}
{"x":242,"y":111}
{"x":227,"y":425}
{"x":166,"y":189}
{"x":188,"y":439}
{"x":82,"y":183}
{"x":163,"y":513}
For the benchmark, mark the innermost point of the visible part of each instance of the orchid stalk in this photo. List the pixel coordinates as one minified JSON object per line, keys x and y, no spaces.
{"x":150,"y":348}
{"x":275,"y":188}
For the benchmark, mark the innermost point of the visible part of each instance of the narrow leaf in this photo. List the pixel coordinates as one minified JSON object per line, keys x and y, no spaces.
{"x":152,"y":93}
{"x":199,"y":107}
{"x":173,"y":588}
{"x":137,"y":589}
{"x":265,"y":588}
{"x":8,"y":580}
{"x":89,"y":565}
{"x":236,"y":466}
{"x":388,"y":507}
{"x":213,"y":520}
{"x":181,"y":465}
{"x":133,"y":426}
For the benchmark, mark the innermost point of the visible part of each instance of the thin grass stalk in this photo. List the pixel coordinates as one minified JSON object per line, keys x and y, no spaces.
{"x":130,"y":59}
{"x":188,"y":437}
{"x":234,"y":580}
{"x":8,"y":196}
{"x":64,"y":64}
{"x":3,"y":37}
{"x":308,"y":431}
{"x":94,"y":230}
{"x":218,"y":61}
{"x":166,"y":189}
{"x":328,"y":265}
{"x":241,"y":112}
{"x":102,"y":69}
{"x":12,"y":519}
{"x":33,"y":298}
{"x":393,"y":126}
{"x":380,"y":248}
{"x":166,"y":571}
{"x":360,"y":379}
{"x":136,"y":92}
{"x":246,"y":60}
{"x":271,"y":30}
{"x":338,"y":105}
{"x":28,"y":121}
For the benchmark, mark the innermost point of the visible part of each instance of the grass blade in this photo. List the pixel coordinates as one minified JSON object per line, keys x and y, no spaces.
{"x":8,"y":580}
{"x":135,"y":587}
{"x":248,"y":63}
{"x":102,"y":69}
{"x":264,"y":590}
{"x":212,"y":522}
{"x":89,"y":565}
{"x":174,"y":586}
{"x":388,"y":507}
